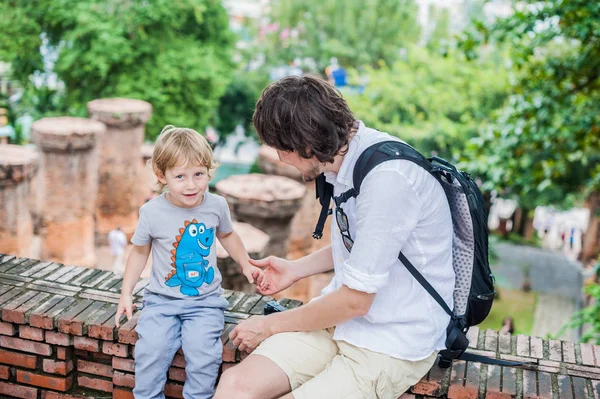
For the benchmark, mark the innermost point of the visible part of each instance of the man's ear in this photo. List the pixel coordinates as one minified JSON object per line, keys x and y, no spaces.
{"x":160,"y":176}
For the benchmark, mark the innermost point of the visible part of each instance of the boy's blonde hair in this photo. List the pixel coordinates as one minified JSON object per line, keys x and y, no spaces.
{"x":177,"y":146}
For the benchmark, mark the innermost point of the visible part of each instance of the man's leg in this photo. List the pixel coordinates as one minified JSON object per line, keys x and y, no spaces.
{"x":255,"y":377}
{"x":358,"y":373}
{"x":280,"y":364}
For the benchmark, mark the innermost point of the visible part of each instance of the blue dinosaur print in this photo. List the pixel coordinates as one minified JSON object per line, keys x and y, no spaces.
{"x":190,"y":269}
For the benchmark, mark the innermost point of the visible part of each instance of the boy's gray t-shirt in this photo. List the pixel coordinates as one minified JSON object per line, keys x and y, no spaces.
{"x":184,"y":260}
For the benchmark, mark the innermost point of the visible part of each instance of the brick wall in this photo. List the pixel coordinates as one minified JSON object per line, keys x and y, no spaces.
{"x":58,"y":338}
{"x":58,"y":341}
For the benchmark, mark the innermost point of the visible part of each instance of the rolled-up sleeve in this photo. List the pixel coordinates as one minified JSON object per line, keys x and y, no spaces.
{"x":387,"y":212}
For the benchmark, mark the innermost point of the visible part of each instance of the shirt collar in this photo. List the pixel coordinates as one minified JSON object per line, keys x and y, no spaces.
{"x":344,"y":176}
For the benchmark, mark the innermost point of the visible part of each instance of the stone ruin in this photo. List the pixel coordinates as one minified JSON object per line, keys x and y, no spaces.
{"x":86,"y":176}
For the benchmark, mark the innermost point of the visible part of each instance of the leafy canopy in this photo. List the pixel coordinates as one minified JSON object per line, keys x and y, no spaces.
{"x":174,"y":54}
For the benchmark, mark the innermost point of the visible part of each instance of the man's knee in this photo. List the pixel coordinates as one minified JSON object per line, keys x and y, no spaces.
{"x":234,"y":383}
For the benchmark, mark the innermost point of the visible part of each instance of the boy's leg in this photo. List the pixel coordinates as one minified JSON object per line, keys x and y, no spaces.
{"x":281,"y":363}
{"x":159,"y":331}
{"x":202,"y":326}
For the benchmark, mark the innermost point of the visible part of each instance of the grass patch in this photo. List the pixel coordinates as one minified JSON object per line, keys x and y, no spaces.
{"x":517,"y":304}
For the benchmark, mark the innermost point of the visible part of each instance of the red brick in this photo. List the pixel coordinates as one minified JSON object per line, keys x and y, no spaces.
{"x":7,"y":328}
{"x":179,"y":361}
{"x":555,"y":350}
{"x":32,"y":333}
{"x":95,"y":383}
{"x":229,"y":351}
{"x":504,"y":343}
{"x":545,"y":386}
{"x":64,"y":353}
{"x":17,"y":359}
{"x":522,"y":345}
{"x":564,"y":387}
{"x":509,"y":381}
{"x":529,"y":385}
{"x":119,"y":363}
{"x":174,"y":390}
{"x":56,"y":395}
{"x":177,"y":374}
{"x":4,"y":372}
{"x":86,"y":344}
{"x":537,"y":350}
{"x":124,"y":379}
{"x":25,"y":346}
{"x":127,"y":334}
{"x":491,"y":341}
{"x":18,"y":391}
{"x":14,"y":312}
{"x":82,"y":353}
{"x":94,"y":368}
{"x":568,"y":352}
{"x":115,"y":349}
{"x":102,"y":357}
{"x":457,"y":390}
{"x":62,"y":384}
{"x":587,"y":354}
{"x":57,"y":367}
{"x":58,"y":338}
{"x":121,"y":393}
{"x":579,"y":387}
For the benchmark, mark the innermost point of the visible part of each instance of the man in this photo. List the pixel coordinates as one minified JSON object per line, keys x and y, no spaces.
{"x":117,"y":241}
{"x":374,"y":331}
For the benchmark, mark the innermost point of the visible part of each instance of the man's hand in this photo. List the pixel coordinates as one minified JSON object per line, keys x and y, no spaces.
{"x":250,"y":333}
{"x":256,"y":275}
{"x":278,"y":272}
{"x":125,"y":307}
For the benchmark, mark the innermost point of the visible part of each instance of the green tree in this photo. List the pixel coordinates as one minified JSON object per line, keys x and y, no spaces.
{"x":435,"y":103}
{"x":357,"y":32}
{"x":544,"y":145}
{"x":175,"y":55}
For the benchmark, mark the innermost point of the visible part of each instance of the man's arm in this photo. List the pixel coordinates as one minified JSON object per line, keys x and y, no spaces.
{"x":315,"y":263}
{"x":326,"y":311}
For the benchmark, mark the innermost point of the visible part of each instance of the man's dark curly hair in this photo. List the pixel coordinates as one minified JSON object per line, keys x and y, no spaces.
{"x":306,"y":115}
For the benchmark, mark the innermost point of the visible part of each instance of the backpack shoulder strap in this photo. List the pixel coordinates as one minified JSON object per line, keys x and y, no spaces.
{"x":369,"y":159}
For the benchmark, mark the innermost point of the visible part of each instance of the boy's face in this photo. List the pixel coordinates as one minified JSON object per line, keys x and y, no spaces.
{"x":187,"y":184}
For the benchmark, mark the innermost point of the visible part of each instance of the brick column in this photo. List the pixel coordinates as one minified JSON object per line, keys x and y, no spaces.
{"x":18,"y":165}
{"x":255,"y":242}
{"x":303,"y":223}
{"x":120,"y":154}
{"x":68,"y":186}
{"x":266,"y":202}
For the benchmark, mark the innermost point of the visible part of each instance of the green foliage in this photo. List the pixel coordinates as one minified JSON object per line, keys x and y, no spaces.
{"x":357,"y":32}
{"x":517,"y":304}
{"x":588,"y":317}
{"x":236,"y":106}
{"x":435,"y":103}
{"x":174,"y":54}
{"x":544,"y":145}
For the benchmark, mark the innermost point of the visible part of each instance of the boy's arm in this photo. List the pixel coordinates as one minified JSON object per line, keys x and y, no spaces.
{"x":138,"y":257}
{"x":235,"y":248}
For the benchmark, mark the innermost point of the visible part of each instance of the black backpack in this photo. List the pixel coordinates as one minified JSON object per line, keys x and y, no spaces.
{"x":474,"y":285}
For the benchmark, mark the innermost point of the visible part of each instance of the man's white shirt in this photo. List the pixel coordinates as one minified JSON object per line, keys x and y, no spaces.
{"x":401,"y":207}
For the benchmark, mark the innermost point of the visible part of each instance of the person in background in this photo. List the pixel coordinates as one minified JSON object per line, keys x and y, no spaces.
{"x":117,"y":241}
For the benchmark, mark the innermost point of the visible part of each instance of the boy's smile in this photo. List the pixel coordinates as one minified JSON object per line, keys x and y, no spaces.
{"x":186,"y":183}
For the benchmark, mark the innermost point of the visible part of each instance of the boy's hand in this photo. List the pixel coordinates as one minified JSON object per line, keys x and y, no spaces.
{"x":125,"y":307}
{"x":256,"y":275}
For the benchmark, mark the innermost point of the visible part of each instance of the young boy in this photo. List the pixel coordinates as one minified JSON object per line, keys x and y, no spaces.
{"x":183,"y":306}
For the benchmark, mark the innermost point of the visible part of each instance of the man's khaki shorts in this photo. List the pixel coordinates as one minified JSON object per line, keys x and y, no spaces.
{"x":319,"y":367}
